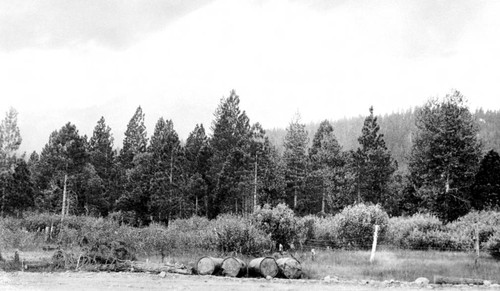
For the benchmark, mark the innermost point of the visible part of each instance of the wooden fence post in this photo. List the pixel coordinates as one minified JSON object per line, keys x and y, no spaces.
{"x":374,"y":246}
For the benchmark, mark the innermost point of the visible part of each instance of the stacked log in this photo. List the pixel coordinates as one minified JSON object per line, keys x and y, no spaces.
{"x":264,"y":267}
{"x":233,"y":267}
{"x":289,"y":268}
{"x":208,"y":266}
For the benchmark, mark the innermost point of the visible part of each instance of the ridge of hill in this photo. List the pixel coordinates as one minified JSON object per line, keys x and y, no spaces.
{"x":398,"y":129}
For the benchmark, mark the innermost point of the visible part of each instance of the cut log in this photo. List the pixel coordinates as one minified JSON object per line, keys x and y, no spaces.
{"x":208,"y":266}
{"x":456,"y":280}
{"x":289,"y":268}
{"x":264,"y":267}
{"x":233,"y":267}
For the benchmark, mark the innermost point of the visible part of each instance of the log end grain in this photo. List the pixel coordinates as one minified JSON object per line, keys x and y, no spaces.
{"x":208,"y":266}
{"x":264,"y":267}
{"x":233,"y":267}
{"x":289,"y":268}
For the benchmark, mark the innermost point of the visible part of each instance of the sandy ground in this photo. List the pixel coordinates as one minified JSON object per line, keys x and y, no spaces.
{"x":74,"y":281}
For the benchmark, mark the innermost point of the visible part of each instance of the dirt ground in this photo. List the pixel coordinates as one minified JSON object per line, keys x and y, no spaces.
{"x":75,"y":281}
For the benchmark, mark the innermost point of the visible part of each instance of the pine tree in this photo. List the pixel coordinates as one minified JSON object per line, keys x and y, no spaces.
{"x":485,"y":192}
{"x":231,"y":161}
{"x":103,"y":159}
{"x":295,"y":160}
{"x":197,"y":155}
{"x":10,"y":140}
{"x":166,"y":200}
{"x":326,"y":167}
{"x":373,"y":165}
{"x":445,"y":156}
{"x":59,"y":172}
{"x":135,"y":141}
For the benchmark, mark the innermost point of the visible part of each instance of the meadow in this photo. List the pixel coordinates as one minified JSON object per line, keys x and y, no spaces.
{"x":409,"y":247}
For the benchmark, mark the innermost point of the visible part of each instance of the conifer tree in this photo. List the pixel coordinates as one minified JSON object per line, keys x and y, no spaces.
{"x":295,"y":160}
{"x":60,"y":171}
{"x":103,"y":159}
{"x":445,"y":156}
{"x":373,"y":165}
{"x":326,"y":167}
{"x":10,"y":140}
{"x":165,"y":189}
{"x":197,"y":154}
{"x":486,"y":189}
{"x":231,"y":161}
{"x":135,"y":140}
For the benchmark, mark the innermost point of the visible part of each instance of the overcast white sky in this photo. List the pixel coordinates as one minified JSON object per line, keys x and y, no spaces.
{"x":75,"y":61}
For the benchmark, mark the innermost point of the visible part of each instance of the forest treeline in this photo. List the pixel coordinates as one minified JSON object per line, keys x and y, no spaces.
{"x":398,"y":129}
{"x":438,"y":158}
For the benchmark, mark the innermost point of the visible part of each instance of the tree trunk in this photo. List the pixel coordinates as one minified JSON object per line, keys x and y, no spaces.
{"x":295,"y":198}
{"x":263,"y":267}
{"x":208,"y":266}
{"x":63,"y":211}
{"x":3,"y":201}
{"x":233,"y":267}
{"x":196,"y":205}
{"x":255,"y":186}
{"x":289,"y":268}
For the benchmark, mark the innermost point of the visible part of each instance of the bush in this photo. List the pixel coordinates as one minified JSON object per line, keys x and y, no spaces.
{"x":493,"y":245}
{"x":400,"y":229}
{"x":486,"y":222}
{"x":326,"y":230}
{"x":435,"y":240}
{"x":194,"y":233}
{"x":235,"y":233}
{"x":278,"y":222}
{"x":356,"y":224}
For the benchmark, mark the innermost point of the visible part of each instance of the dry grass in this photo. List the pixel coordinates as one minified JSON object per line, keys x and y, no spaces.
{"x":403,"y":265}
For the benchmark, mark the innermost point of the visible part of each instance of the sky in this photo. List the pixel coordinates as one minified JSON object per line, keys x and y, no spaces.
{"x":75,"y":61}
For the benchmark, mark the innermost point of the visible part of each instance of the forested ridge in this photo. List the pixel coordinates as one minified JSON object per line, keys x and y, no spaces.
{"x":397,"y":128}
{"x":437,"y":158}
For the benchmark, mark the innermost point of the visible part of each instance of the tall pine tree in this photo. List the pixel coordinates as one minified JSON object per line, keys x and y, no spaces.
{"x":135,"y":141}
{"x":166,"y":200}
{"x":326,"y":163}
{"x":445,"y":156}
{"x":295,"y":159}
{"x":10,"y":140}
{"x":103,"y":159}
{"x":373,"y":165}
{"x":231,"y":160}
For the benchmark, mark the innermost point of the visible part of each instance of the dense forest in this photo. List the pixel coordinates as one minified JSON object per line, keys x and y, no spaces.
{"x":438,"y":158}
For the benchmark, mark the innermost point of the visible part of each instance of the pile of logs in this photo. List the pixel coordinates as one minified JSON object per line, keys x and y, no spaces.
{"x":266,"y":267}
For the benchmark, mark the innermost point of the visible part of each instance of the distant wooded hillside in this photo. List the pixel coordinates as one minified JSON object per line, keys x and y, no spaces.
{"x":397,"y":129}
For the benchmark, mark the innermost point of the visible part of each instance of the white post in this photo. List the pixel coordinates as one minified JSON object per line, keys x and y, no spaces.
{"x":374,"y":246}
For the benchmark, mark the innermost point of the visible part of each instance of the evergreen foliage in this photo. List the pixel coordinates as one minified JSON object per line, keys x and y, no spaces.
{"x":230,"y":171}
{"x":135,"y":140}
{"x":326,"y":174}
{"x":445,"y":156}
{"x":486,"y":189}
{"x":373,"y":165}
{"x":295,"y":160}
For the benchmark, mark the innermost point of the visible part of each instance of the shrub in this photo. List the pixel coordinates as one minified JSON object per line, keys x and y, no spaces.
{"x":401,"y":228}
{"x":356,"y":224}
{"x":435,"y":240}
{"x":486,"y":222}
{"x":194,"y":233}
{"x":278,"y":222}
{"x":326,"y":230}
{"x":235,"y":233}
{"x":493,"y":245}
